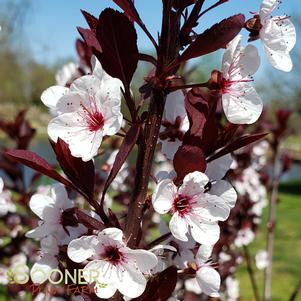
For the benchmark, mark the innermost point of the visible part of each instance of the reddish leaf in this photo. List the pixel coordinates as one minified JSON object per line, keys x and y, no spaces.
{"x":210,"y":130}
{"x":84,"y":52}
{"x":90,"y":38}
{"x":188,"y":159}
{"x":88,"y":221}
{"x":129,"y":9}
{"x":80,"y":173}
{"x":181,"y":4}
{"x":214,"y":38}
{"x":126,"y":147}
{"x":236,"y":144}
{"x":118,"y":40}
{"x":37,"y":163}
{"x":91,"y":20}
{"x":160,"y":287}
{"x":197,"y":108}
{"x":19,"y":130}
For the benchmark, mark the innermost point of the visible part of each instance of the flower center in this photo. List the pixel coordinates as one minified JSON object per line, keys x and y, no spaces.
{"x":172,"y":130}
{"x":92,"y":115}
{"x":113,"y":255}
{"x":182,"y":204}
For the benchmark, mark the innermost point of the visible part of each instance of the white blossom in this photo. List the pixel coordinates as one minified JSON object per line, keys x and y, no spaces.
{"x":47,"y":262}
{"x":207,"y":277}
{"x":244,"y":237}
{"x":6,"y":204}
{"x":278,"y":36}
{"x":51,"y":209}
{"x":67,"y":74}
{"x":232,"y":288}
{"x":261,"y":259}
{"x":240,"y":101}
{"x":113,"y":265}
{"x":86,"y":112}
{"x":194,"y":209}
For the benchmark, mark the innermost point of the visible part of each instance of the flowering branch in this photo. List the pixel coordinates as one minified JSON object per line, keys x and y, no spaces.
{"x":271,"y":226}
{"x":251,"y":273}
{"x":168,"y":50}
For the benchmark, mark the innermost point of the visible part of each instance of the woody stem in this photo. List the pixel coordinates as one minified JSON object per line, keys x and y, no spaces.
{"x":167,"y":51}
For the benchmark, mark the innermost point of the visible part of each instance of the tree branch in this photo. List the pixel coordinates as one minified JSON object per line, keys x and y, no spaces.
{"x":251,"y":273}
{"x":271,"y":226}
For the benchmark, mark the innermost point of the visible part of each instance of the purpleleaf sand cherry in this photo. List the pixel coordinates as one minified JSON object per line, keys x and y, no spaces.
{"x":113,"y":266}
{"x":240,"y":101}
{"x":56,"y":217}
{"x":277,"y":34}
{"x":193,"y":208}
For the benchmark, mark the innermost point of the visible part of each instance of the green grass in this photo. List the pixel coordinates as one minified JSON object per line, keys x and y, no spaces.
{"x":287,"y":251}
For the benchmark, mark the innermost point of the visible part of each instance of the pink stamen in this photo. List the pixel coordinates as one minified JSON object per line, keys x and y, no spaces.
{"x":93,"y":117}
{"x":182,"y":204}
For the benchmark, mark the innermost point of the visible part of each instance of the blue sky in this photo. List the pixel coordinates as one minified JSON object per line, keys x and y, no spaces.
{"x":51,"y":26}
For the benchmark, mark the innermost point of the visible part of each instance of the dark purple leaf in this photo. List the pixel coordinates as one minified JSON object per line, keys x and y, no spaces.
{"x":181,"y":4}
{"x":214,"y":38}
{"x":161,"y":286}
{"x":126,"y":147}
{"x":118,"y":40}
{"x":91,"y":20}
{"x":190,"y":22}
{"x":90,"y":38}
{"x":37,"y":163}
{"x":236,"y":144}
{"x":188,"y":159}
{"x":197,"y":108}
{"x":89,"y":221}
{"x":19,"y":130}
{"x":79,"y":172}
{"x":84,"y":52}
{"x":210,"y":130}
{"x":129,"y":9}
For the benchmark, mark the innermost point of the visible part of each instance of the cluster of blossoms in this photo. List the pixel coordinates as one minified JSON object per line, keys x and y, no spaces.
{"x":192,"y":196}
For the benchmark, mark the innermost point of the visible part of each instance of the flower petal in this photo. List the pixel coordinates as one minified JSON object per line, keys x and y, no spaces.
{"x":39,"y":203}
{"x":209,"y":281}
{"x":51,"y":96}
{"x":174,"y":106}
{"x":193,"y":184}
{"x":42,"y":269}
{"x":132,"y":283}
{"x":104,"y":275}
{"x":241,"y":104}
{"x":204,"y":233}
{"x":112,"y":233}
{"x":163,"y":196}
{"x":226,"y":191}
{"x":217,"y":169}
{"x":280,"y":60}
{"x":203,"y":254}
{"x":72,"y":128}
{"x":82,"y":248}
{"x":144,"y":260}
{"x":59,"y":194}
{"x":169,"y":148}
{"x":178,"y":227}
